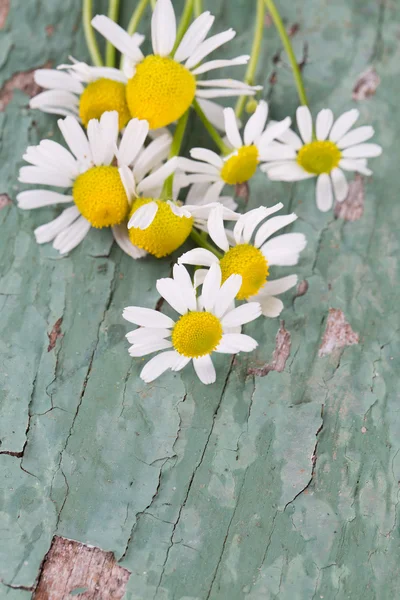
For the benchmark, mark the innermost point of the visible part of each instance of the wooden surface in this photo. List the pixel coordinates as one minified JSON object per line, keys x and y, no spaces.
{"x":278,"y":483}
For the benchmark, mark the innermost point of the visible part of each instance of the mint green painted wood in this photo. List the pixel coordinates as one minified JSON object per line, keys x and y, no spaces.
{"x":198,"y":490}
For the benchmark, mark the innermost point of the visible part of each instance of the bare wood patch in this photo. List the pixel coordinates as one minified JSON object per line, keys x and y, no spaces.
{"x":4,"y":10}
{"x":352,"y":208}
{"x":338,"y":333}
{"x":366,"y":84}
{"x":5,"y":200}
{"x":54,"y":334}
{"x":22,"y":81}
{"x":73,"y":569}
{"x":280,"y":355}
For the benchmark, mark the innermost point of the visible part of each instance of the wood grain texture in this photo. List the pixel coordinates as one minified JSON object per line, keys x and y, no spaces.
{"x":233,"y":491}
{"x":73,"y":569}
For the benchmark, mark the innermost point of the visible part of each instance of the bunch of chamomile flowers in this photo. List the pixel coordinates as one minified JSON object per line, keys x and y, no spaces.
{"x":120,"y":166}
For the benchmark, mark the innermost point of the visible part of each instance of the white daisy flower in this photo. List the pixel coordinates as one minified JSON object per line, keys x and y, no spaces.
{"x":203,"y":327}
{"x":238,"y":167}
{"x":163,"y":85}
{"x":333,"y":149}
{"x":100,"y":194}
{"x":252,"y":259}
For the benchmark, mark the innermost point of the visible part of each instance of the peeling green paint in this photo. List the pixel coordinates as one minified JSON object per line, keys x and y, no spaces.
{"x":208,"y":492}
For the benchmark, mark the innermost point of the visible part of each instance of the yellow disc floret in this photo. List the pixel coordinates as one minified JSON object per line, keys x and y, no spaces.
{"x":165,"y":234}
{"x":196,"y":334}
{"x":100,"y":196}
{"x":249,"y":262}
{"x":103,"y":95}
{"x":160,"y":91}
{"x":319,"y":157}
{"x":240,"y":167}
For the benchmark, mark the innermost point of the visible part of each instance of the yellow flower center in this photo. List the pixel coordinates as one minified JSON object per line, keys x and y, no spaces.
{"x":165,"y":234}
{"x":249,"y":262}
{"x":103,"y":95}
{"x":240,"y":167}
{"x":319,"y":157}
{"x":196,"y":334}
{"x":160,"y":91}
{"x":100,"y":196}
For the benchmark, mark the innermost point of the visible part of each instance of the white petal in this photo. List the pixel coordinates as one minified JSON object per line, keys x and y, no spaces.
{"x":205,"y":369}
{"x":343,"y":124}
{"x":128,"y":181}
{"x":169,"y":290}
{"x":132,"y":141}
{"x":163,"y":28}
{"x":94,"y":137}
{"x":51,"y":100}
{"x":213,"y":192}
{"x":143,"y":335}
{"x":284,"y":250}
{"x":147,"y":317}
{"x":214,"y":113}
{"x":362,"y":151}
{"x":256,"y":123}
{"x":271,"y":226}
{"x":289,"y":171}
{"x":54,"y":79}
{"x":207,"y":156}
{"x":251,"y":223}
{"x":198,"y":257}
{"x":72,"y":236}
{"x":159,"y":364}
{"x":194,"y":36}
{"x":242,"y":314}
{"x":109,"y":134}
{"x":75,"y":138}
{"x":277,"y":286}
{"x":215,"y":227}
{"x":155,"y":153}
{"x":277,"y":151}
{"x":228,"y":83}
{"x":143,"y":349}
{"x":304,"y":123}
{"x":323,"y":123}
{"x":353,"y":164}
{"x":224,"y":92}
{"x":220,"y":64}
{"x":226,"y":295}
{"x":184,"y":282}
{"x":158,"y":177}
{"x":143,"y":217}
{"x":46,"y":233}
{"x":119,"y":38}
{"x":211,"y":287}
{"x":38,"y":198}
{"x":195,"y":166}
{"x":340,"y":185}
{"x":291,"y":138}
{"x":271,"y":307}
{"x":208,"y":46}
{"x":121,"y":236}
{"x":181,"y":362}
{"x":231,"y":128}
{"x":324,"y":195}
{"x":272,"y":132}
{"x":44,"y":177}
{"x":232,"y":343}
{"x":356,"y":136}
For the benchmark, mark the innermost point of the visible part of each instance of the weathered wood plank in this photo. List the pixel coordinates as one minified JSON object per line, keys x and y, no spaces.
{"x":242,"y":490}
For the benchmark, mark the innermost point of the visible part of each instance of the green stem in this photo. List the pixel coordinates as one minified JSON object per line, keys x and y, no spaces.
{"x":136,"y":16}
{"x":174,"y":151}
{"x":183,"y":23}
{"x":273,"y":11}
{"x":113,"y":9}
{"x":255,"y":54}
{"x":89,"y":34}
{"x":200,"y":241}
{"x":211,"y":129}
{"x":198,"y":7}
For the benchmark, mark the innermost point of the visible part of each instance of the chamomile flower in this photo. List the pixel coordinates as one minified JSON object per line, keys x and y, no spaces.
{"x":239,"y":166}
{"x":252,"y":259}
{"x":203,"y":327}
{"x":334,"y":149}
{"x":163,"y":85}
{"x":82,"y":91}
{"x":99,"y":194}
